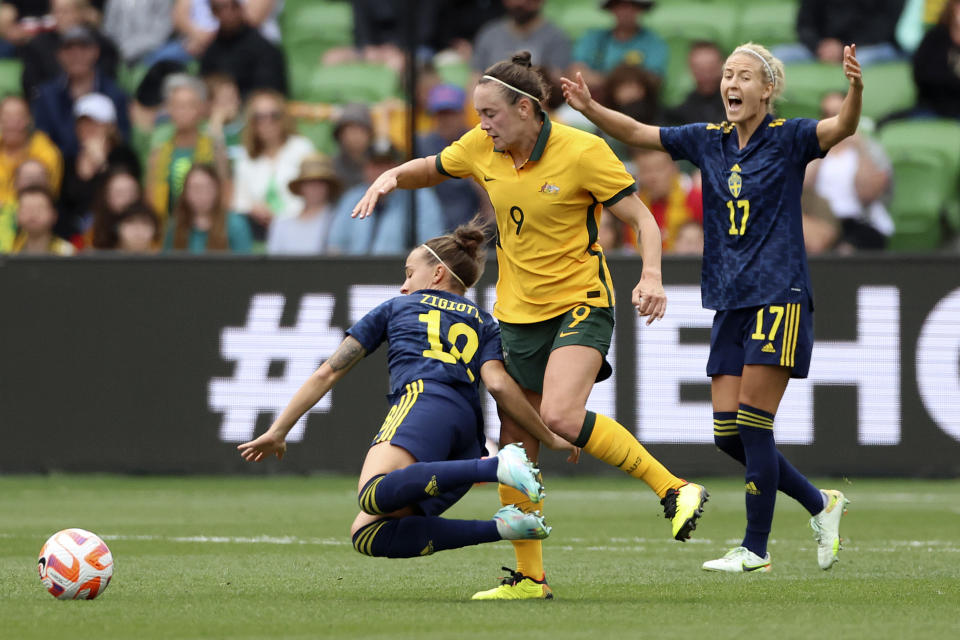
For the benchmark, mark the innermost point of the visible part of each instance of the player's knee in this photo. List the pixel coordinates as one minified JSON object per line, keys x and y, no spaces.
{"x":561,"y":421}
{"x":363,"y":535}
{"x":367,"y":496}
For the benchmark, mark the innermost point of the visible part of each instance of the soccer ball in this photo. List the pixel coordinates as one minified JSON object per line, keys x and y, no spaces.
{"x":75,"y":564}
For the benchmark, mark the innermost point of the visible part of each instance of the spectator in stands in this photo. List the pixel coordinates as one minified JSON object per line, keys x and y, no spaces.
{"x":185,"y":97}
{"x":936,"y":66}
{"x":610,"y":235}
{"x":461,"y":199}
{"x":148,"y":101}
{"x":825,"y":26}
{"x":119,"y":189}
{"x":354,"y":135}
{"x":197,"y":23}
{"x":241,"y":52}
{"x":41,"y":59}
{"x":523,"y":29}
{"x":854,"y":178}
{"x":19,"y":142}
{"x":30,"y":173}
{"x":379,"y":33}
{"x":36,"y":216}
{"x":54,"y":100}
{"x":688,"y":240}
{"x":387,"y":231}
{"x":200,"y":220}
{"x":821,"y":229}
{"x":226,"y":120}
{"x":671,"y":196}
{"x":461,"y":20}
{"x":100,"y":150}
{"x":271,"y":157}
{"x":143,"y":31}
{"x":307,"y":233}
{"x":138,"y":229}
{"x":635,"y":92}
{"x":599,"y":51}
{"x":704,"y":103}
{"x":20,"y":21}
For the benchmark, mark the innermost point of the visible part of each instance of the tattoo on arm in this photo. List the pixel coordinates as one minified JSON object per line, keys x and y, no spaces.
{"x":349,"y":353}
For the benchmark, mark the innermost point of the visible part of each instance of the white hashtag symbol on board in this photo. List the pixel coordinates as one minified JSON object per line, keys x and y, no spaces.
{"x":301,"y":348}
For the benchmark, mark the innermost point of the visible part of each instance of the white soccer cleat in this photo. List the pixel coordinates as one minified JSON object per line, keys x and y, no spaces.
{"x":513,"y":524}
{"x":826,"y":528}
{"x":515,"y":470}
{"x":739,"y":560}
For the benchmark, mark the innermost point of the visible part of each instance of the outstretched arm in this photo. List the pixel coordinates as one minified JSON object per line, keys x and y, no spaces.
{"x":649,"y":298}
{"x":273,"y":442}
{"x":830,"y":131}
{"x":619,"y":125}
{"x":510,"y":398}
{"x":413,"y":174}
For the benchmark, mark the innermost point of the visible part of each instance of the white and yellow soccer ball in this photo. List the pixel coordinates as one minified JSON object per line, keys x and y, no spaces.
{"x":75,"y":564}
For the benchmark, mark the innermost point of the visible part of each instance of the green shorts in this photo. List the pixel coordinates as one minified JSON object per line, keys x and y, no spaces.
{"x":527,"y":347}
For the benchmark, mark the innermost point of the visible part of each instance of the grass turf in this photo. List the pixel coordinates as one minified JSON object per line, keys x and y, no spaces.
{"x":243,"y":557}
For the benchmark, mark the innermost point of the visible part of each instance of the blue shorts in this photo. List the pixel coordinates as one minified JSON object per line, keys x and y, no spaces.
{"x":434,"y":422}
{"x":774,"y":334}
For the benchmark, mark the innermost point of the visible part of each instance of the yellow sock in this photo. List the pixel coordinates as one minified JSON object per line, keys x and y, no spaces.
{"x":607,"y":440}
{"x":529,"y":552}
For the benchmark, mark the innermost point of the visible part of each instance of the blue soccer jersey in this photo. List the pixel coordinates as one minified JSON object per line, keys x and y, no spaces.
{"x":433,"y":335}
{"x":753,"y":251}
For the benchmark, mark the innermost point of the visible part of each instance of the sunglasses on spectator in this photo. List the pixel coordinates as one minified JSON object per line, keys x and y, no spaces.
{"x":267,"y":115}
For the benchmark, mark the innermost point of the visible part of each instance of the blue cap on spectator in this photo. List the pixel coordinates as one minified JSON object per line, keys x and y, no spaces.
{"x":445,"y":97}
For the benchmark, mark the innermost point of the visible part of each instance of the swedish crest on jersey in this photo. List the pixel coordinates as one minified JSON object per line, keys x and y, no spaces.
{"x":735,"y":182}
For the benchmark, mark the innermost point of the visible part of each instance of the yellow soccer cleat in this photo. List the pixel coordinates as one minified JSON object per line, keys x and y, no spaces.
{"x":683,"y":507}
{"x":517,"y":586}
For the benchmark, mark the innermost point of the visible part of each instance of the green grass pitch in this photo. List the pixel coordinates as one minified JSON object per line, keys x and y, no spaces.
{"x":245,"y":557}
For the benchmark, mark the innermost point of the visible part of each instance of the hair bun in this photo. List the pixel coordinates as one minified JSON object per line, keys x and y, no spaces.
{"x":469,"y":238}
{"x":522,"y":58}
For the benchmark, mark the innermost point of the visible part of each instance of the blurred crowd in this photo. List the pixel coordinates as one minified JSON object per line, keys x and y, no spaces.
{"x":255,"y":126}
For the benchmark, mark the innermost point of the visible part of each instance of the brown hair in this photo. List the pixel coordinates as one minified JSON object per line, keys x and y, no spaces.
{"x":104,"y":229}
{"x":183,"y":215}
{"x":141,"y":210}
{"x":43,"y":191}
{"x":251,"y":142}
{"x":946,"y":15}
{"x":518,"y":72}
{"x":462,"y":252}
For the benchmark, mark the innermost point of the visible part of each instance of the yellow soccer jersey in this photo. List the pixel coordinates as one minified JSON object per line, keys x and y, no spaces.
{"x":548,"y":213}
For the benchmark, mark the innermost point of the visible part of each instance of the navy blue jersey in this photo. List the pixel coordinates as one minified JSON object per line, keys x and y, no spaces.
{"x":753,"y":251}
{"x":433,"y":335}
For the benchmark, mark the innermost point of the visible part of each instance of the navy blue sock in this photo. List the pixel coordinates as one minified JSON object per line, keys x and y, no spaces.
{"x":726,"y":436}
{"x":762,"y":477}
{"x":792,"y":482}
{"x":795,"y":484}
{"x":415,"y":536}
{"x":397,"y":489}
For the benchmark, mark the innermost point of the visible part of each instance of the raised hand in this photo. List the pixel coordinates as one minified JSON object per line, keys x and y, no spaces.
{"x":383,"y":185}
{"x":851,"y":66}
{"x":576,"y":93}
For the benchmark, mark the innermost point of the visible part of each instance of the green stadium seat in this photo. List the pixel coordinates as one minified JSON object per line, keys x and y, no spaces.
{"x":457,"y":73}
{"x":696,"y":21}
{"x":577,"y":19}
{"x":320,"y":133}
{"x":888,"y":88}
{"x":806,"y":84}
{"x":769,"y":23}
{"x":938,"y":140}
{"x":678,"y":81}
{"x":353,"y":82}
{"x":311,"y":21}
{"x":918,"y":201}
{"x":11,"y":70}
{"x":129,"y":78}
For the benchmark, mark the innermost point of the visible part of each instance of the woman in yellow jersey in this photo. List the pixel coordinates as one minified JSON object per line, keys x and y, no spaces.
{"x":548,"y":184}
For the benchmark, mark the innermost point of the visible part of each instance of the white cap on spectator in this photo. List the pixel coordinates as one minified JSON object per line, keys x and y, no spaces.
{"x":97,"y":107}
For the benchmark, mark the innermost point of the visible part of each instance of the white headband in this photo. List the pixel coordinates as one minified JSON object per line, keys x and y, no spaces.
{"x":513,"y":88}
{"x":445,"y":266}
{"x":766,"y":64}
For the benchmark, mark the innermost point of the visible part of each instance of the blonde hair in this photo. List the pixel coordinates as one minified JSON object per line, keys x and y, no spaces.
{"x":772,"y":68}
